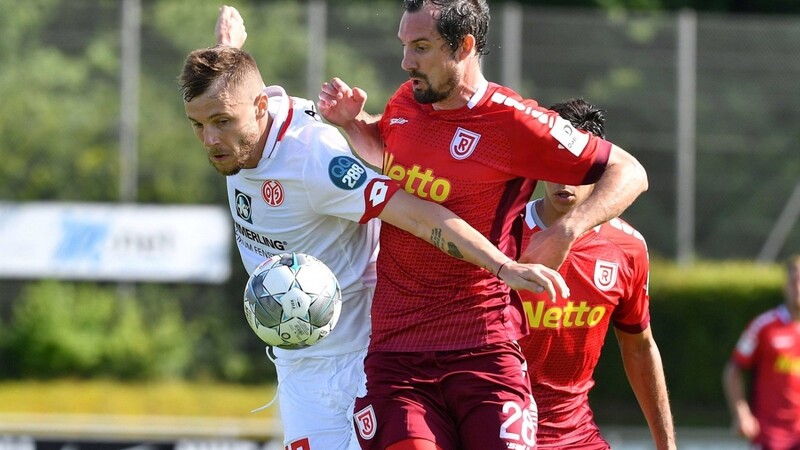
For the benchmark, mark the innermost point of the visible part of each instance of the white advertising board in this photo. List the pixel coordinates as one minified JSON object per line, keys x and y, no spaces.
{"x":115,"y":242}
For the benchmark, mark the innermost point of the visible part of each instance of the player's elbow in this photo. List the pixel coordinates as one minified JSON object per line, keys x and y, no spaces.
{"x":633,"y":171}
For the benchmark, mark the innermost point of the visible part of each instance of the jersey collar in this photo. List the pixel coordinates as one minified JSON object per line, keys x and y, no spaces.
{"x":281,"y":111}
{"x":532,"y":218}
{"x":480,"y":91}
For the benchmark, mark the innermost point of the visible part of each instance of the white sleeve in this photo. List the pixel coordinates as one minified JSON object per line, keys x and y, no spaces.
{"x":335,"y":179}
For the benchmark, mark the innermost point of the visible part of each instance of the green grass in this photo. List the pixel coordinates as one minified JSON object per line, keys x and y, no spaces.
{"x":164,"y":398}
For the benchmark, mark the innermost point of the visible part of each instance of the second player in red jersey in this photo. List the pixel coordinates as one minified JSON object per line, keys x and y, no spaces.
{"x":607,"y":271}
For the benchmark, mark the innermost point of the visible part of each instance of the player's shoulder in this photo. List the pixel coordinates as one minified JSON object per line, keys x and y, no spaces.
{"x":768,"y":318}
{"x":623,"y":234}
{"x":306,"y":132}
{"x":499,"y":98}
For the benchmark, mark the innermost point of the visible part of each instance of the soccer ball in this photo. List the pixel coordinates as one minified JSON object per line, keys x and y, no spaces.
{"x":292,"y":301}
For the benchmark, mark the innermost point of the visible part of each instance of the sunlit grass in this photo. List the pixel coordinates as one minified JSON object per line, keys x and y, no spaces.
{"x":165,"y":398}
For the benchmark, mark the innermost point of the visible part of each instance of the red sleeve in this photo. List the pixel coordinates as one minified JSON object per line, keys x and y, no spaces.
{"x":564,"y":153}
{"x":376,"y":196}
{"x":554,"y":149}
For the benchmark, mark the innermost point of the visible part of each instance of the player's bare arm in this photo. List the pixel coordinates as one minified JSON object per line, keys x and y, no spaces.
{"x":343,"y":106}
{"x":744,"y":422}
{"x":451,"y":234}
{"x":230,"y":30}
{"x":623,"y":180}
{"x":645,"y":372}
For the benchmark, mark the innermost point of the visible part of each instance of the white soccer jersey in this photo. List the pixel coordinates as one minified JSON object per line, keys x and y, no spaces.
{"x":308,"y":195}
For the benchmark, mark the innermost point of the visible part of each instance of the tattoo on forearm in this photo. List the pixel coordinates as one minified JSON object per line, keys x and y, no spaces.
{"x":453,"y":251}
{"x":436,"y":238}
{"x":448,"y":247}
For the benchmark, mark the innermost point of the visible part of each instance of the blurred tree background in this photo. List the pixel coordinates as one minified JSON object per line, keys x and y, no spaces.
{"x":60,"y":141}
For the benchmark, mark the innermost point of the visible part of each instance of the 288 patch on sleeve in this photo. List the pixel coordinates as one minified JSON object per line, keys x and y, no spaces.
{"x":347,"y":172}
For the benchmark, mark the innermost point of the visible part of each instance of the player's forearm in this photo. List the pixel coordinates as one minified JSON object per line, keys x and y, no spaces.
{"x":443,"y":229}
{"x":364,"y":136}
{"x":645,"y":372}
{"x":622,"y":182}
{"x":733,"y":387}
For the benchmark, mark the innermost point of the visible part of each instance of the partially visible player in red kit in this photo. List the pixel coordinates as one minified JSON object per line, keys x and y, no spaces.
{"x":761,"y":380}
{"x":607,"y":272}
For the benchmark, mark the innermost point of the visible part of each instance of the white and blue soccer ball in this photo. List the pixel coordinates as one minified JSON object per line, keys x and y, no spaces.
{"x":292,"y":301}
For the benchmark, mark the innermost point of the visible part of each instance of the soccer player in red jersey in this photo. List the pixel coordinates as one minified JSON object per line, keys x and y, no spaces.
{"x":607,"y":272}
{"x":769,"y":349}
{"x":443,"y":368}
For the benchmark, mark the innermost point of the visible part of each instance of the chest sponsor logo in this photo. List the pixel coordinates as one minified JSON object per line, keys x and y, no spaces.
{"x":244,"y":234}
{"x":272,"y":192}
{"x":417,"y":181}
{"x":463,"y":143}
{"x":787,"y":364}
{"x":605,"y":274}
{"x":347,"y":173}
{"x":365,"y":422}
{"x":572,"y":315}
{"x":244,"y":206}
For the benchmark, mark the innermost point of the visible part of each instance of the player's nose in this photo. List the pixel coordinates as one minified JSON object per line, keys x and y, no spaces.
{"x":408,"y":63}
{"x":210,"y":137}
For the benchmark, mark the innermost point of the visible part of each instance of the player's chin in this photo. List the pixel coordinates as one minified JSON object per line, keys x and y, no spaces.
{"x":226,"y":169}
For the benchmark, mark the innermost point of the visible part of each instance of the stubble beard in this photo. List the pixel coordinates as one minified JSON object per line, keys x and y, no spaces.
{"x":432,"y":94}
{"x":243,"y":154}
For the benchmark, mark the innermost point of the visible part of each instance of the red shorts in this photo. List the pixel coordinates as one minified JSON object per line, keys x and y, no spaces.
{"x":477,"y":399}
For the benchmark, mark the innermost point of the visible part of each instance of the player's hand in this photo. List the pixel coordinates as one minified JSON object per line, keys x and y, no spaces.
{"x":747,"y":426}
{"x":339,"y":104}
{"x":230,"y":30}
{"x":534,"y":278}
{"x":549,"y":247}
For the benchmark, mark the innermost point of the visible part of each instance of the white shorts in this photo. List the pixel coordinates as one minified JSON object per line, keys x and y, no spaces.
{"x":316,"y":397}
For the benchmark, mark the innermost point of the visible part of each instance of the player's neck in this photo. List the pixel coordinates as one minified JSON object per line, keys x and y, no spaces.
{"x":463,"y":93}
{"x":547,"y":214}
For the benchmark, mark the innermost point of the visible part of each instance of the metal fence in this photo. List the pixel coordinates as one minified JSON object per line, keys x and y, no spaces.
{"x":709,"y":103}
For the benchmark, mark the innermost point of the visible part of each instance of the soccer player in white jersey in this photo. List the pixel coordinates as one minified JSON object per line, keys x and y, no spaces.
{"x":293,"y":185}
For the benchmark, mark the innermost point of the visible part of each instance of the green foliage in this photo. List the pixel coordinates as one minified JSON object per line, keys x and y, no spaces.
{"x":63,"y":329}
{"x":697,"y":314}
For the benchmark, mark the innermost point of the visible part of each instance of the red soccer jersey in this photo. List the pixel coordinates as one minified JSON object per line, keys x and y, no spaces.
{"x":480,"y":161}
{"x":607,"y":272}
{"x":770,"y":349}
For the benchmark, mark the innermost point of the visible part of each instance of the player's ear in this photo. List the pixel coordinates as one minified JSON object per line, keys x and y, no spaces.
{"x":260,"y":103}
{"x":467,"y":46}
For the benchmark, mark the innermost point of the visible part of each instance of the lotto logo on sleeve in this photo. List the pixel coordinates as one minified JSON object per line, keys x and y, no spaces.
{"x":347,"y":173}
